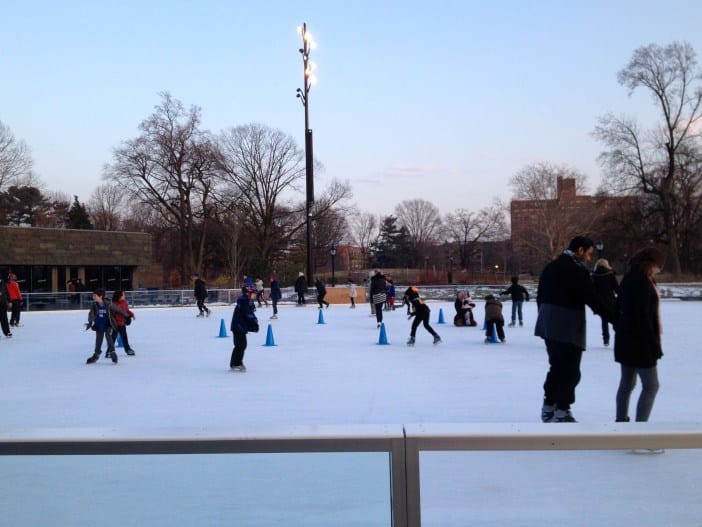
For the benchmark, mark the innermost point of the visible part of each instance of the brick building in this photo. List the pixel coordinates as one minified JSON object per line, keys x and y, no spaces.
{"x":542,"y":228}
{"x":44,"y":260}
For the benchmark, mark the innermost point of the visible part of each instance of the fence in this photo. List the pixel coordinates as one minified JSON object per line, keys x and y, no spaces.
{"x":402,"y":444}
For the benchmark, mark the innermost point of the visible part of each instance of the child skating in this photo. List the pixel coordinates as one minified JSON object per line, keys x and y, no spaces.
{"x":101,"y":320}
{"x":420,"y":312}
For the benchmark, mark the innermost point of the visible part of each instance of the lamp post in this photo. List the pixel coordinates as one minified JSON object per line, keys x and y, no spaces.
{"x":599,"y":245}
{"x":304,"y":95}
{"x":332,"y":251}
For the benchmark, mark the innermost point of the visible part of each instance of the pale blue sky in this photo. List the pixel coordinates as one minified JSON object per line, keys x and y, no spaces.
{"x":441,"y":100}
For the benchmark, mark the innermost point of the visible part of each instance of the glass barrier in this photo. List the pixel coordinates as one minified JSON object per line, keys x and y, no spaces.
{"x":311,"y":489}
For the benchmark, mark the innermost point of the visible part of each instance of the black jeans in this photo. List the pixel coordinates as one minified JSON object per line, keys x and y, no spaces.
{"x":563,"y":374}
{"x":122,"y":332}
{"x":201,"y":305}
{"x":239,"y":349}
{"x":423,"y":319}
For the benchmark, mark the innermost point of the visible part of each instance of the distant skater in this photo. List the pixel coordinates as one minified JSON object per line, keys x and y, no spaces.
{"x":519,"y":294}
{"x":200,"y":293}
{"x":119,"y":299}
{"x":276,"y":295}
{"x":321,"y":293}
{"x":493,"y":318}
{"x":101,"y":319}
{"x":352,"y":294}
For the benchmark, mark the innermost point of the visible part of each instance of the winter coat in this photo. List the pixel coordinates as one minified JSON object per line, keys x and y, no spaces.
{"x":200,"y":289}
{"x":352,"y":291}
{"x":102,"y":317}
{"x":606,"y":287}
{"x":276,"y":293}
{"x":120,"y":319}
{"x":321,"y":290}
{"x":419,"y":308}
{"x":301,"y":285}
{"x":377,"y":288}
{"x":565,"y":288}
{"x":13,"y":292}
{"x":493,"y":310}
{"x":244,"y":314}
{"x":637,"y":341}
{"x":518,"y":293}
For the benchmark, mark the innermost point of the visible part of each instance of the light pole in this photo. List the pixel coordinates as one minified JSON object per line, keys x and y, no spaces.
{"x":599,"y":245}
{"x":332,"y":251}
{"x":304,"y":95}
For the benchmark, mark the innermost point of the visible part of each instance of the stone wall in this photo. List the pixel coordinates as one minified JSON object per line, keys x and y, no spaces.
{"x":69,"y":247}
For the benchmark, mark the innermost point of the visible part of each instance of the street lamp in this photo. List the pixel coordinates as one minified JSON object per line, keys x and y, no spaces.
{"x":304,"y":95}
{"x":599,"y":245}
{"x":332,"y":251}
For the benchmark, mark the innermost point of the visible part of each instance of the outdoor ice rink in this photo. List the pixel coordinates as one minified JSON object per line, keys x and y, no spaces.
{"x":334,"y":373}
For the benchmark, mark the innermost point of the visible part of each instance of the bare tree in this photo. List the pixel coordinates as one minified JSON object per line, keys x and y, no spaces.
{"x":550,"y":219}
{"x":363,"y":229}
{"x":467,"y":230}
{"x":646,"y":161}
{"x":422,"y":220}
{"x":170,"y":167}
{"x":15,"y":160}
{"x":106,"y":207}
{"x":258,"y":165}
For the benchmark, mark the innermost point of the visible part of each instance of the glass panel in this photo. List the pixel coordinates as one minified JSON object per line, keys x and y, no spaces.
{"x":578,"y":489}
{"x":318,"y":489}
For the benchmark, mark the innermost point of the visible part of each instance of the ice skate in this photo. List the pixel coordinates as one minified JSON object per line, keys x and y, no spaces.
{"x":410,"y":341}
{"x":437,"y":339}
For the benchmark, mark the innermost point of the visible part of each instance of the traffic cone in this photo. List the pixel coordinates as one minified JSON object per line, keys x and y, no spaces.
{"x":222,"y":330}
{"x":493,"y":338}
{"x":320,"y":318}
{"x":441,"y":316}
{"x":383,"y":338}
{"x":270,"y":341}
{"x":119,"y":343}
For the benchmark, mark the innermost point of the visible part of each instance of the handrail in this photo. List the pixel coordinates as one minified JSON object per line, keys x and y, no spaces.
{"x":402,"y":442}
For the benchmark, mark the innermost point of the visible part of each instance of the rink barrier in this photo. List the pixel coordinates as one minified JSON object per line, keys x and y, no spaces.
{"x":403,"y":443}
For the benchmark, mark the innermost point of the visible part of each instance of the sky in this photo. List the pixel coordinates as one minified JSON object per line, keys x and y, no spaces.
{"x":443,"y":101}
{"x":316,"y":378}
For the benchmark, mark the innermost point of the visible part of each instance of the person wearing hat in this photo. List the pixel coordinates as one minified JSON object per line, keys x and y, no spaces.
{"x":607,"y":289}
{"x":637,"y":341}
{"x":243,"y":320}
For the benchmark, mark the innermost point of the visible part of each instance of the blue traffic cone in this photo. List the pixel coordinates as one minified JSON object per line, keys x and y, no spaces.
{"x":270,"y":341}
{"x":119,"y":343}
{"x":320,"y":318}
{"x":222,"y":330}
{"x":441,"y":316}
{"x":383,"y":338}
{"x":492,"y":339}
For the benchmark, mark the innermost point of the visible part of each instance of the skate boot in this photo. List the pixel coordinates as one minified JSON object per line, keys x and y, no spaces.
{"x":437,"y":339}
{"x":410,"y":341}
{"x":93,"y":358}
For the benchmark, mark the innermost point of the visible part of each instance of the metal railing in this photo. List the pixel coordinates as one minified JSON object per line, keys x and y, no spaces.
{"x":402,"y":443}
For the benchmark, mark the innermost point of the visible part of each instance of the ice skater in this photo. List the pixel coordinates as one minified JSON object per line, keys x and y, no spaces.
{"x":420,"y":312}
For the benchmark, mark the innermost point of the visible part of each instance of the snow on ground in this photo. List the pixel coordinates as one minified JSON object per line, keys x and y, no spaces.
{"x":337,"y":373}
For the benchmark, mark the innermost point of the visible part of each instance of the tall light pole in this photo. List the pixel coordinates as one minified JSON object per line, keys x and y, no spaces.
{"x":599,"y":245}
{"x":304,"y":95}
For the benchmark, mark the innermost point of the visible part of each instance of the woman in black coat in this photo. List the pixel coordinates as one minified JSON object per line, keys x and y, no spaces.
{"x":637,"y":342}
{"x":607,"y":289}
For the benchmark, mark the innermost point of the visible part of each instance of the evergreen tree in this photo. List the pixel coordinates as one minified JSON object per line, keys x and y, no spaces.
{"x":78,"y":217}
{"x":392,"y":249}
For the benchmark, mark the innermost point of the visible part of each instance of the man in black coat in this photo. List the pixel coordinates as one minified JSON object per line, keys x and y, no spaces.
{"x":565,"y":287}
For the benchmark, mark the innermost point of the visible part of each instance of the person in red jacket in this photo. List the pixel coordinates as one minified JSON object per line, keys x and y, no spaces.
{"x":121,"y":322}
{"x":15,"y":298}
